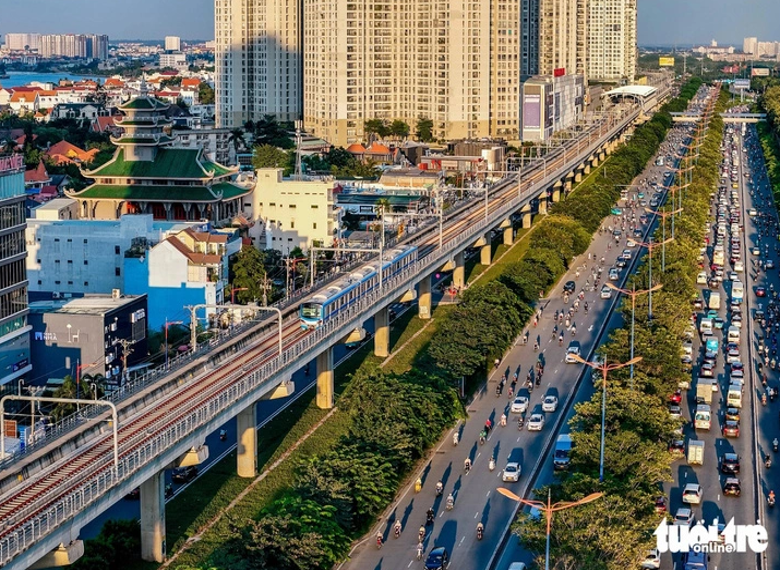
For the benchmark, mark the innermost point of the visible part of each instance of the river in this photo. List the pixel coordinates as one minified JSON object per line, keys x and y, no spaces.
{"x":17,"y":78}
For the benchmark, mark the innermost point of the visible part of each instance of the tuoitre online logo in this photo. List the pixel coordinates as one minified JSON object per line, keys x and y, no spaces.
{"x":699,"y":538}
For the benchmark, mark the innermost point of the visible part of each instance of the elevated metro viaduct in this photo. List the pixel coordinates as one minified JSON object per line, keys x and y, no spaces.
{"x":49,"y":494}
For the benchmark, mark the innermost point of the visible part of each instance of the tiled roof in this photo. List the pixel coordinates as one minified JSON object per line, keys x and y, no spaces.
{"x":25,"y":97}
{"x":181,"y":163}
{"x":36,"y":175}
{"x":143,"y":103}
{"x":207,"y":237}
{"x":144,"y":193}
{"x":356,"y":148}
{"x":199,"y":258}
{"x":377,"y":148}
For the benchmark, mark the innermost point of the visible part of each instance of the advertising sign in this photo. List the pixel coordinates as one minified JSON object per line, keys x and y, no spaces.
{"x":742,"y":83}
{"x":11,"y":163}
{"x":760,"y":72}
{"x":559,"y":72}
{"x":532,"y":111}
{"x":665,"y":62}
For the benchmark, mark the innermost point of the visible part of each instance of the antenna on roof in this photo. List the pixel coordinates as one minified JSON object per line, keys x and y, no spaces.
{"x":144,"y":88}
{"x":298,"y":139}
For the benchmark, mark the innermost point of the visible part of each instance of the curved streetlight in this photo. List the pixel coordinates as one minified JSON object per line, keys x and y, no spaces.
{"x":651,"y":245}
{"x":633,"y":294}
{"x":663,"y":214}
{"x":548,"y":509}
{"x":604,"y":368}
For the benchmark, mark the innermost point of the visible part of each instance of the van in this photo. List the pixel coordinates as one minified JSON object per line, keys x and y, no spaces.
{"x":734,"y":395}
{"x":705,"y":327}
{"x":733,"y":334}
{"x":714,"y":302}
{"x":737,"y":292}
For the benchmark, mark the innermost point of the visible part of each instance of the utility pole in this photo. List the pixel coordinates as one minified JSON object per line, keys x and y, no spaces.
{"x":266,"y":284}
{"x":127,"y":350}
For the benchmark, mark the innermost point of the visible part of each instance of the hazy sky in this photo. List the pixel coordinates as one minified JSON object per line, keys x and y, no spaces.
{"x":660,"y":21}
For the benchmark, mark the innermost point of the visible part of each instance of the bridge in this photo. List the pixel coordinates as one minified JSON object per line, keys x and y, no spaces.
{"x":48,"y":494}
{"x":690,"y":117}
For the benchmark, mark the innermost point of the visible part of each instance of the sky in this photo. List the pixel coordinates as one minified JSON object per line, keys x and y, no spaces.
{"x":660,"y":21}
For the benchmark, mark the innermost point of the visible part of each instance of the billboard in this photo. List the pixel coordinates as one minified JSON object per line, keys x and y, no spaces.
{"x":559,"y":72}
{"x":760,"y":72}
{"x":742,"y":84}
{"x":665,"y":62}
{"x":532,"y":111}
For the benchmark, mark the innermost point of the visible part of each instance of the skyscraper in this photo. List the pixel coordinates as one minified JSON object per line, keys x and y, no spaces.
{"x":172,"y":43}
{"x":16,"y":41}
{"x":258,"y":60}
{"x":612,"y":49}
{"x":562,"y":36}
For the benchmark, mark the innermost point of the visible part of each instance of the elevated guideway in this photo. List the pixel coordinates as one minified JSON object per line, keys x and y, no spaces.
{"x":693,"y":117}
{"x":48,"y":496}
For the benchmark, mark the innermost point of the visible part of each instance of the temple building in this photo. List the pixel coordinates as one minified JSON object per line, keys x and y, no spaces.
{"x":149,"y":174}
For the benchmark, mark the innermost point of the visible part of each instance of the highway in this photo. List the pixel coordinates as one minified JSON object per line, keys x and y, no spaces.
{"x":39,"y":504}
{"x":474,"y":492}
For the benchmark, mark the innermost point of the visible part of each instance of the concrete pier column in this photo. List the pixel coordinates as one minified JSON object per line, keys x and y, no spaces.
{"x":459,"y":273}
{"x":246,"y":448}
{"x":509,"y":232}
{"x":486,"y":251}
{"x":586,"y":169}
{"x":543,"y":203}
{"x":382,"y":333}
{"x":424,"y":303}
{"x":526,"y":213}
{"x":556,"y":193}
{"x":578,"y":176}
{"x":567,"y":186}
{"x":325,"y":388}
{"x":153,"y":518}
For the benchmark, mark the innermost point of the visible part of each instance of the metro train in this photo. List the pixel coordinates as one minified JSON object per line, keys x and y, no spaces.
{"x":349,"y":289}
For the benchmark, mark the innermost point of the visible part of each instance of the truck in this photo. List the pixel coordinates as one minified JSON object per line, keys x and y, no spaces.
{"x":734,"y":395}
{"x":737,"y":292}
{"x":714,"y":302}
{"x":702,"y":419}
{"x":704,"y":390}
{"x":561,"y":457}
{"x":695,"y":452}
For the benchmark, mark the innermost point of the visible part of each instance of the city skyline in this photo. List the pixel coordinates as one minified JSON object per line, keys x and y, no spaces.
{"x":194,"y":19}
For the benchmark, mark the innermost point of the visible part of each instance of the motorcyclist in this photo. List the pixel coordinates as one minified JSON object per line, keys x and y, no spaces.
{"x":439,"y":488}
{"x":223,"y":434}
{"x":450,"y":501}
{"x":480,"y":531}
{"x":429,"y":515}
{"x":775,"y":444}
{"x":397,"y":528}
{"x":467,"y":464}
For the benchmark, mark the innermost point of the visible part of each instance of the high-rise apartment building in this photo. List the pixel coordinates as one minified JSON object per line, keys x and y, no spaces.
{"x":258,"y":60}
{"x":750,"y":45}
{"x":14,"y":307}
{"x":529,"y":37}
{"x":562,"y":36}
{"x":74,"y":45}
{"x":612,"y":48}
{"x":16,"y":41}
{"x":172,"y":43}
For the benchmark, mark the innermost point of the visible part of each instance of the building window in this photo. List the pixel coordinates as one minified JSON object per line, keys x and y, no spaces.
{"x":117,"y":272}
{"x":86,"y":241}
{"x":86,"y":262}
{"x":116,"y":251}
{"x":57,"y":282}
{"x":40,"y":282}
{"x":314,"y":225}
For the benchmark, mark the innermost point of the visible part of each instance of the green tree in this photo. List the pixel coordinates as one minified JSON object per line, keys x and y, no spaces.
{"x":248,"y":271}
{"x":376,"y":127}
{"x":424,"y":129}
{"x":205,"y":94}
{"x":339,"y":157}
{"x":269,"y":131}
{"x":70,"y":390}
{"x":399,"y":129}
{"x":267,"y":156}
{"x":236,"y":138}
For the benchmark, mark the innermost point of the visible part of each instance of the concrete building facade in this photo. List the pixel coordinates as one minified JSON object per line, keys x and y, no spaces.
{"x":172,"y":43}
{"x":563,"y":36}
{"x":750,"y":45}
{"x":20,"y":41}
{"x":257,"y":60}
{"x":14,"y":328}
{"x":612,"y":40}
{"x":295,"y":213}
{"x":551,"y":104}
{"x":95,"y":335}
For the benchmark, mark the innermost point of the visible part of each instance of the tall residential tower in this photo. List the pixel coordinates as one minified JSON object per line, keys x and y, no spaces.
{"x":612,"y":49}
{"x":258,"y":60}
{"x":563,"y":36}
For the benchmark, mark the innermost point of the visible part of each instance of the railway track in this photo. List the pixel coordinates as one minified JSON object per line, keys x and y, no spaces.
{"x":39,"y":497}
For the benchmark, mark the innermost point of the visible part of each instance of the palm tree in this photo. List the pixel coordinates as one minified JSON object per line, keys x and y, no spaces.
{"x":237,"y":138}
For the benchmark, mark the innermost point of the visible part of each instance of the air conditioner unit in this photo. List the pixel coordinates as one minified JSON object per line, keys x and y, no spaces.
{"x":116,"y":293}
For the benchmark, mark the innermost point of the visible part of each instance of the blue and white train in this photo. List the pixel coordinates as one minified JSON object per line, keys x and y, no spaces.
{"x":349,"y":289}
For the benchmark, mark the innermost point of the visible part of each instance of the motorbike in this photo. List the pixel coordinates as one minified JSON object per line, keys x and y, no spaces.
{"x":774,"y":445}
{"x":439,"y":489}
{"x":450,"y":502}
{"x":771,"y":500}
{"x":768,"y":462}
{"x":482,"y":437}
{"x":418,"y":486}
{"x":397,"y":529}
{"x":421,"y":534}
{"x":520,"y":423}
{"x":168,"y":491}
{"x":492,"y":464}
{"x":467,"y":465}
{"x":222,"y":435}
{"x":455,"y":438}
{"x":429,"y":517}
{"x":480,"y":531}
{"x":379,"y":541}
{"x":419,"y":551}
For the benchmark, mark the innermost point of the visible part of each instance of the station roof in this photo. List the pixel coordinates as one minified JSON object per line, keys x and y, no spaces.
{"x":633,"y":90}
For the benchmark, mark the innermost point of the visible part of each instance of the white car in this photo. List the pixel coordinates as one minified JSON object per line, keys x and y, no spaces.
{"x":692,"y":494}
{"x":606,"y":292}
{"x":653,"y":560}
{"x":733,"y":276}
{"x":683,"y":517}
{"x":739,"y":267}
{"x":549,"y":404}
{"x":511,"y":473}
{"x":536,"y":423}
{"x":519,"y":405}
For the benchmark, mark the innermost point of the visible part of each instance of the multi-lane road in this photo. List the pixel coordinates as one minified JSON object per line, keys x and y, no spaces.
{"x":476,"y":500}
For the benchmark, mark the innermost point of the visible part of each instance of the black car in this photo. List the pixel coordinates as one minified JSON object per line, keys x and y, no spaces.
{"x":184,"y":474}
{"x":438,"y":559}
{"x":730,"y":463}
{"x":569,"y":287}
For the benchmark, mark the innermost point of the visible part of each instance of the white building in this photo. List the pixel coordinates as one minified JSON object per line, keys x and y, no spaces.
{"x":20,"y":42}
{"x":176,"y":60}
{"x":172,"y":43}
{"x":750,"y":45}
{"x":215,"y":143}
{"x":551,"y":104}
{"x":295,"y":213}
{"x":258,"y":60}
{"x":85,"y":256}
{"x":612,"y":37}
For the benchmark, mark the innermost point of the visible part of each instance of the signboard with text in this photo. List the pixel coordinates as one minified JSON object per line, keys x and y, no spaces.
{"x":11,"y":163}
{"x":532,"y":111}
{"x":760,"y":72}
{"x":742,"y":84}
{"x":665,"y":62}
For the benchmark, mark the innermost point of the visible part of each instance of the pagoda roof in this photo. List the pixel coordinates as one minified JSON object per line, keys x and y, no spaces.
{"x":148,"y":193}
{"x":144,"y":104}
{"x":173,"y":163}
{"x":160,"y":139}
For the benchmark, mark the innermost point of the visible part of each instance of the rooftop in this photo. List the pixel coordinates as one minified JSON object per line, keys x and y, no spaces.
{"x":148,"y":193}
{"x":88,"y":305}
{"x":175,"y":163}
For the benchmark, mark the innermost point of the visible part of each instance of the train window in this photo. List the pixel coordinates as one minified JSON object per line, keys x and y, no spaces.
{"x":311,"y":311}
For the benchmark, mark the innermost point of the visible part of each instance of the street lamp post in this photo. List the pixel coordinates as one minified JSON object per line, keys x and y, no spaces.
{"x":604,"y":368}
{"x":548,"y":509}
{"x":650,"y":246}
{"x":663,"y":215}
{"x":633,"y":293}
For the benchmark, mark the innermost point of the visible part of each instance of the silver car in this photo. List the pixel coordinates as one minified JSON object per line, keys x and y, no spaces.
{"x":536,"y":423}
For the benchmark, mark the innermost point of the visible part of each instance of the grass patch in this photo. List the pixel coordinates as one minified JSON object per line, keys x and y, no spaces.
{"x":406,"y":358}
